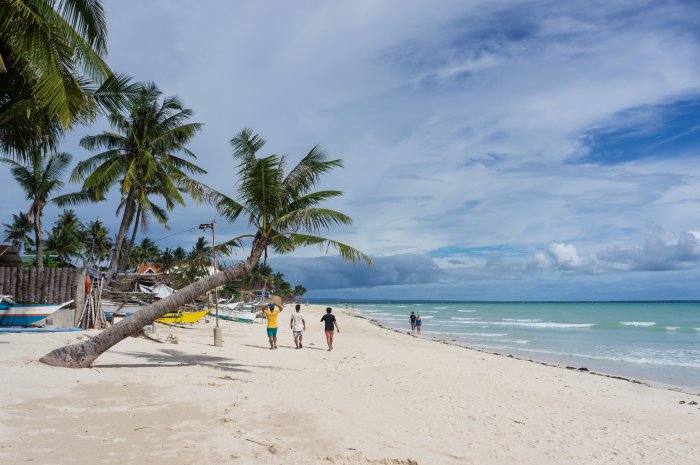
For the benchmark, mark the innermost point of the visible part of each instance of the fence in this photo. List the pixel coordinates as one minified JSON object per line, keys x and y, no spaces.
{"x":26,"y":285}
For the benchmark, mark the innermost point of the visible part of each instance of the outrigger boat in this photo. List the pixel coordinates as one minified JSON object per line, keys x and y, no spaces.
{"x":244,"y":312}
{"x":183,"y":316}
{"x":14,"y":314}
{"x":231,"y":314}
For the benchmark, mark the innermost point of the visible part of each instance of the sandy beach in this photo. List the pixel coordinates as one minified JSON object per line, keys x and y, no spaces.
{"x":380,"y":397}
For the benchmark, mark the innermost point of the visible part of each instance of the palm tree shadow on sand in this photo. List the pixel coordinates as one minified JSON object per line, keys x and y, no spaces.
{"x":281,"y":346}
{"x":174,"y":358}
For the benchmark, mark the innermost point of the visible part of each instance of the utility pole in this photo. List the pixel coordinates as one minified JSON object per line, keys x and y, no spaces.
{"x":217,"y":331}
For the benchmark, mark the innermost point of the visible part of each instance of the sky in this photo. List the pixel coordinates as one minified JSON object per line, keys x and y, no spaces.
{"x":493,"y":150}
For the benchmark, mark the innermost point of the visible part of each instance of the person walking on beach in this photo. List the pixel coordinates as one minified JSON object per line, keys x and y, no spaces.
{"x":298,"y":325}
{"x":419,"y":323}
{"x":271,"y":313}
{"x":413,"y":321}
{"x":330,"y":322}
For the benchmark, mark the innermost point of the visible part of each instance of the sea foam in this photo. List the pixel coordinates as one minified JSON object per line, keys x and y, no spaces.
{"x":638,"y":323}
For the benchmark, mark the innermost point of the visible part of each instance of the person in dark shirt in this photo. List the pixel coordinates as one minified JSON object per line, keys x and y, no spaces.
{"x":413,"y":321}
{"x":330,"y":323}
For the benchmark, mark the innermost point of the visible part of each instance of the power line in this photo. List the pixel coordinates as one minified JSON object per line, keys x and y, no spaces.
{"x":175,"y":234}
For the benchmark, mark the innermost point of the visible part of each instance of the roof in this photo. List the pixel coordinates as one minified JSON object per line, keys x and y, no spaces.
{"x":9,"y":255}
{"x":148,"y":268}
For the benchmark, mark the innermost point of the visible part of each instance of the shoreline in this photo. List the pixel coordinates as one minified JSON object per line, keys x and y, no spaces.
{"x":378,"y":398}
{"x":616,"y":362}
{"x":649,"y":383}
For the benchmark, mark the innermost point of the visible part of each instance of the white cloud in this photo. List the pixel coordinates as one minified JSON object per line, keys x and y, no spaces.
{"x":564,"y":256}
{"x":456,"y":120}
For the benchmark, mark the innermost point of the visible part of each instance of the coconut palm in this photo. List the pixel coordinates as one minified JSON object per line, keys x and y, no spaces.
{"x":65,"y":239}
{"x":283,"y":213}
{"x":167,"y":261}
{"x":179,"y":254}
{"x":52,"y":72}
{"x":146,"y":252}
{"x":39,"y":178}
{"x":197,"y":263}
{"x":145,"y":209}
{"x":299,"y":290}
{"x":141,"y":158}
{"x":18,"y":232}
{"x":260,"y":275}
{"x":97,"y":243}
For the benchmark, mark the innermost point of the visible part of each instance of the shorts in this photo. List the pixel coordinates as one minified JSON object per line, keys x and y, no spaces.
{"x":271,"y":332}
{"x":297,"y":333}
{"x":329,"y":334}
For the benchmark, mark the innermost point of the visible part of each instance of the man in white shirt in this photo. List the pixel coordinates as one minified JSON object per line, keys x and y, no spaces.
{"x":298,"y":325}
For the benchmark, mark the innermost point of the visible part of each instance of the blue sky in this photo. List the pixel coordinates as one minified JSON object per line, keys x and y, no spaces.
{"x":525,"y":150}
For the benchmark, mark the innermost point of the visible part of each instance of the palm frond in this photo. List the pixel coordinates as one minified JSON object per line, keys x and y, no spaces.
{"x":245,"y":146}
{"x":345,"y":251}
{"x":311,"y":219}
{"x":77,"y":198}
{"x":309,"y":170}
{"x":228,"y":208}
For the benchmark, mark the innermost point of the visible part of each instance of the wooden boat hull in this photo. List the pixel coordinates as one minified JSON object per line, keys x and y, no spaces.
{"x":183,"y":317}
{"x":13,"y":314}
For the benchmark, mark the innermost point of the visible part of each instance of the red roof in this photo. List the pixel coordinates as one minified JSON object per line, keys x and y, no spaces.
{"x":148,"y":268}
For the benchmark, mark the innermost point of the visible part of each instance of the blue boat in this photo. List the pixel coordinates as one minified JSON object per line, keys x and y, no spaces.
{"x":14,"y":314}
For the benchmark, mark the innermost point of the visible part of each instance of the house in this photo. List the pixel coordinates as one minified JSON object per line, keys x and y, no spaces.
{"x":148,"y":268}
{"x":9,"y":255}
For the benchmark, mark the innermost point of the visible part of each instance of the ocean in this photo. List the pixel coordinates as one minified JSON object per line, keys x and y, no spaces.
{"x":648,"y":341}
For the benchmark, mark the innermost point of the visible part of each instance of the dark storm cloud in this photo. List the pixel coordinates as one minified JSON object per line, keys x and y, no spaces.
{"x":333,"y":273}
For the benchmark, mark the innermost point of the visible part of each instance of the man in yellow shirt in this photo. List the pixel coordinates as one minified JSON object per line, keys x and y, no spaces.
{"x":271,"y":313}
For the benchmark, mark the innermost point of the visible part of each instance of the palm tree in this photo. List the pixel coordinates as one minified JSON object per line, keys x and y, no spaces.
{"x":281,"y":209}
{"x":66,"y":237}
{"x":145,"y":208}
{"x":140,"y":157}
{"x":18,"y":231}
{"x":53,"y":74}
{"x":260,"y":275}
{"x":167,"y":261}
{"x":39,"y":178}
{"x":299,"y":290}
{"x":179,"y":254}
{"x":197,"y":263}
{"x":280,"y":286}
{"x":146,"y":252}
{"x":97,"y":243}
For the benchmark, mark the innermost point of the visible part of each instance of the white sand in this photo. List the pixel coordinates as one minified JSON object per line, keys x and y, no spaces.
{"x":380,"y":397}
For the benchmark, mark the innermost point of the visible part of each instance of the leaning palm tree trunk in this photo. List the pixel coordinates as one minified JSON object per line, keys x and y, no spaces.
{"x":83,"y":354}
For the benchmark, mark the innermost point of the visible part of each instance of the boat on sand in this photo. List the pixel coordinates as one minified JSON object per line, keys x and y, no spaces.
{"x":14,"y":314}
{"x":183,"y":316}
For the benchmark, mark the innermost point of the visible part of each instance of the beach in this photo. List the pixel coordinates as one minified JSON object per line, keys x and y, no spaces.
{"x":380,"y":397}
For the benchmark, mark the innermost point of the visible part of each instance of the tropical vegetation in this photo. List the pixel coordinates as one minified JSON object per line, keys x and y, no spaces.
{"x":283,"y":212}
{"x":40,"y":178}
{"x":53,"y":77}
{"x":52,"y":72}
{"x":141,"y":157}
{"x":18,"y":232}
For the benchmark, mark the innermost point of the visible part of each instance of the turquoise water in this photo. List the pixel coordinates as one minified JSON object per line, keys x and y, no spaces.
{"x":652,"y":341}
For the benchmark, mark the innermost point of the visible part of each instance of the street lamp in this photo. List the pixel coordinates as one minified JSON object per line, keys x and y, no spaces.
{"x":217,"y":330}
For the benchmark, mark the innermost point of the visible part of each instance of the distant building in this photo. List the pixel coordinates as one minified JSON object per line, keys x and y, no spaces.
{"x":148,"y":268}
{"x":9,"y":255}
{"x":29,"y":260}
